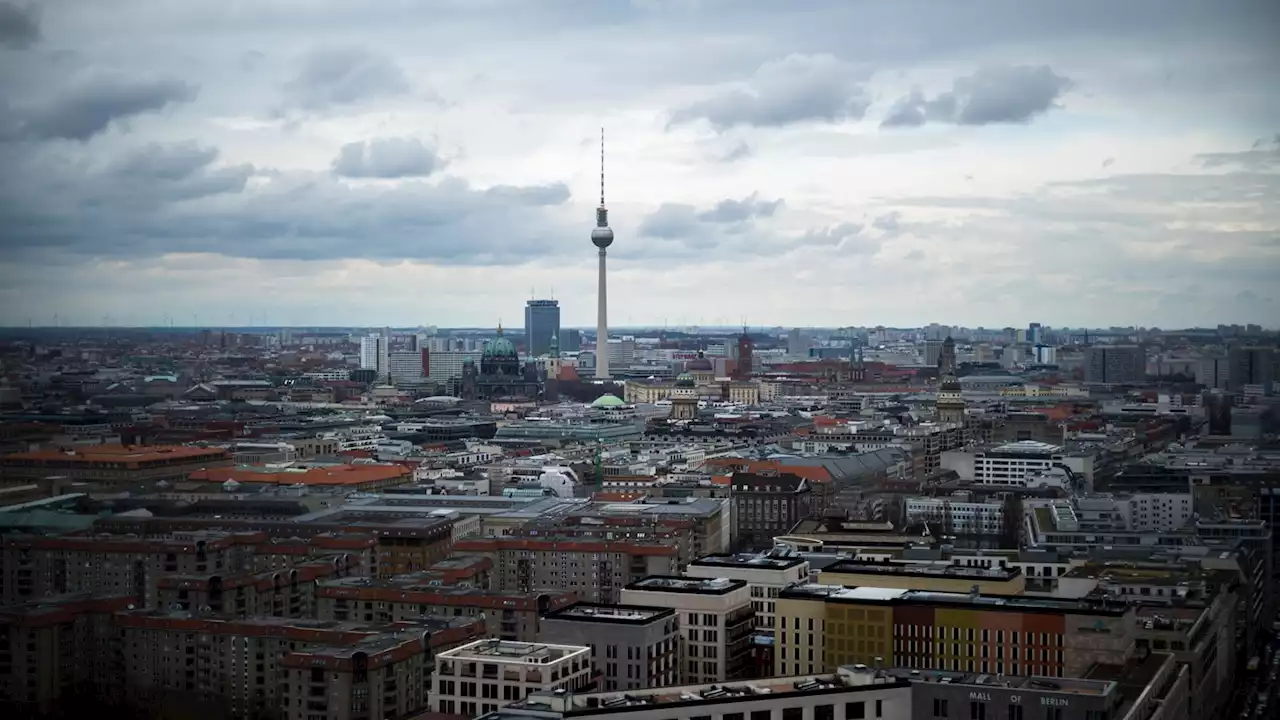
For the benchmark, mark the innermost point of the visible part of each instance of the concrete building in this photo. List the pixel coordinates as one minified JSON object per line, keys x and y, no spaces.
{"x":765,"y":574}
{"x":541,"y":323}
{"x":1251,"y":366}
{"x":307,"y":668}
{"x":1018,"y":464}
{"x":407,"y":368}
{"x":766,"y":506}
{"x":110,"y":464}
{"x":484,"y":675}
{"x":1114,"y":364}
{"x":632,"y":647}
{"x":850,"y":694}
{"x":595,"y":570}
{"x":511,"y":615}
{"x":958,"y":516}
{"x":830,"y":625}
{"x":716,"y":622}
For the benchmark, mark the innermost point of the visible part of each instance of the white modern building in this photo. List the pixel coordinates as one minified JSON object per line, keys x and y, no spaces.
{"x":957,"y":515}
{"x":482,"y":676}
{"x":765,"y":574}
{"x":406,"y":367}
{"x":1013,"y":464}
{"x":369,"y":349}
{"x":716,"y":623}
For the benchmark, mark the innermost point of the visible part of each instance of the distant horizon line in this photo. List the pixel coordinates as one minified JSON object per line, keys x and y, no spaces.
{"x":591,"y":328}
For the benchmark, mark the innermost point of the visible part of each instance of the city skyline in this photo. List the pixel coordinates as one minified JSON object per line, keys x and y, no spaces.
{"x":1095,"y":165}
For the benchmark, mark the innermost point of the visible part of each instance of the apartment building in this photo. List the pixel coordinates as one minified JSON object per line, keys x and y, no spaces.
{"x":289,"y":592}
{"x":999,"y":580}
{"x":312,"y":670}
{"x":957,"y":515}
{"x":850,"y":694}
{"x":716,"y":623}
{"x":55,"y":654}
{"x":765,"y":574}
{"x":507,"y":615}
{"x":33,"y":567}
{"x":484,"y":675}
{"x":595,"y":570}
{"x":832,"y":625}
{"x":632,"y":647}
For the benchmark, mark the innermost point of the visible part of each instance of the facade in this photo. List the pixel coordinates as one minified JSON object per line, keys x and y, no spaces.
{"x":484,"y":675}
{"x":632,"y":647}
{"x":369,"y":345}
{"x":831,"y":625}
{"x":766,"y":506}
{"x":958,"y":516}
{"x":716,"y":623}
{"x":512,"y":616}
{"x":1114,"y":364}
{"x":310,"y":669}
{"x":541,"y":323}
{"x":445,"y":366}
{"x":850,"y":694}
{"x":595,"y":570}
{"x":407,"y":368}
{"x":765,"y":574}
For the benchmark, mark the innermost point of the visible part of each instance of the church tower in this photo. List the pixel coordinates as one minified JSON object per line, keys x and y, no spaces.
{"x":950,"y":404}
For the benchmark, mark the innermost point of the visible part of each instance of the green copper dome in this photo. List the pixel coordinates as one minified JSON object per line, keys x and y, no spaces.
{"x":608,"y":401}
{"x":685,"y":380}
{"x":499,"y":346}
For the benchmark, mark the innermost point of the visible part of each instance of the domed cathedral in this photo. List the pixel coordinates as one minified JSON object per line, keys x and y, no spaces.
{"x":950,"y":404}
{"x":500,"y":374}
{"x":702,"y":369}
{"x":684,"y":397}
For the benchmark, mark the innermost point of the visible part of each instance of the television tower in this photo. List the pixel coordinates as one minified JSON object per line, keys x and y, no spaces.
{"x":602,"y":237}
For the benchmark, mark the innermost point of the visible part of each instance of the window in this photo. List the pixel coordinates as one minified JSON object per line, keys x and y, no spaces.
{"x":1015,"y":712}
{"x":977,"y":711}
{"x":855,"y":710}
{"x":761,"y":715}
{"x":824,"y":712}
{"x":940,"y":708}
{"x":793,"y":713}
{"x":879,"y":708}
{"x":733,"y":716}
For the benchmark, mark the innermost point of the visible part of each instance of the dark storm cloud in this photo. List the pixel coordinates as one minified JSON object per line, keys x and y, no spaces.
{"x":387,"y":158}
{"x":19,"y":25}
{"x":344,"y":76}
{"x":160,"y":199}
{"x":86,"y":109}
{"x":797,"y":88}
{"x":674,"y":221}
{"x":992,"y":95}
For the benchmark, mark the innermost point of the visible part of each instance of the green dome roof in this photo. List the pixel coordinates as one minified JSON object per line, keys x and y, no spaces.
{"x":684,"y":379}
{"x":499,"y":346}
{"x":608,"y":401}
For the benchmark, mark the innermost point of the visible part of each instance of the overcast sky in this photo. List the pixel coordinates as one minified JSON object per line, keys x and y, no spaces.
{"x":406,"y":162}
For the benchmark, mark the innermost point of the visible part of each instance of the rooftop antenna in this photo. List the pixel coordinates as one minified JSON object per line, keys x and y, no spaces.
{"x":601,"y":167}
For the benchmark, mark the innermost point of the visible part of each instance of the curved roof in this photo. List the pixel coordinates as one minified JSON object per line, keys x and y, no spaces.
{"x":500,"y":347}
{"x":608,"y":401}
{"x":684,"y":379}
{"x":439,"y":399}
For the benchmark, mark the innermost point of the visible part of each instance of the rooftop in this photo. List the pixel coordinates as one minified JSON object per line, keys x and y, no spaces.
{"x":129,"y":455}
{"x":770,"y":560}
{"x":671,"y":583}
{"x":959,"y":572}
{"x":594,"y":612}
{"x":495,"y":650}
{"x":1016,"y":603}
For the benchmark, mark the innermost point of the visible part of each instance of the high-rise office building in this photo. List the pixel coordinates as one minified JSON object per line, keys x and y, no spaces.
{"x":571,"y":341}
{"x":369,"y":352}
{"x":1251,"y":366}
{"x":1115,"y":364}
{"x":541,"y":323}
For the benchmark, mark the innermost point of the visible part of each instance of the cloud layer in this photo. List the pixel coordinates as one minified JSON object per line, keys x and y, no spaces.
{"x":980,"y":163}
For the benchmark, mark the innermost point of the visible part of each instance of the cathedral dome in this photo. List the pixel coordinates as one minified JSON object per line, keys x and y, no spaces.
{"x":700,"y":364}
{"x":500,"y":347}
{"x":685,"y":380}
